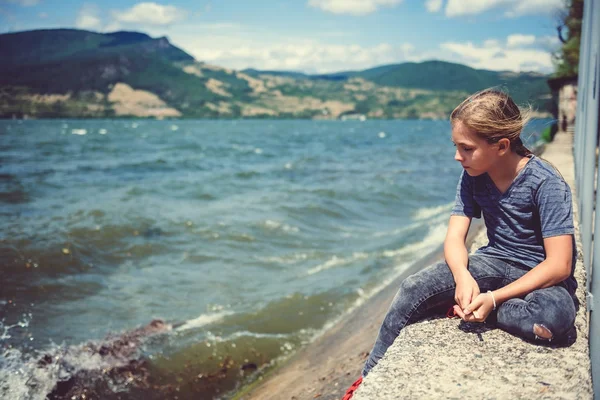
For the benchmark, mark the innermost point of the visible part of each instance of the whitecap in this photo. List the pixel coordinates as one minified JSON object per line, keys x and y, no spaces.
{"x":22,"y":378}
{"x":240,"y":334}
{"x":78,"y":131}
{"x":203,"y":320}
{"x":335,"y":261}
{"x":434,"y":238}
{"x":397,"y":231}
{"x":103,"y":131}
{"x":428,"y":212}
{"x":382,"y":135}
{"x":287,"y":259}
{"x":276,"y":225}
{"x":272,"y":224}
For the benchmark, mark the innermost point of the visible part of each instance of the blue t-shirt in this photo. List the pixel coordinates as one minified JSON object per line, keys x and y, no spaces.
{"x":537,"y":205}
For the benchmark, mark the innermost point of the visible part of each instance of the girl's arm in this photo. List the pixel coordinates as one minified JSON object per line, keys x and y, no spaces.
{"x":455,"y":250}
{"x":456,"y":255}
{"x":554,"y":269}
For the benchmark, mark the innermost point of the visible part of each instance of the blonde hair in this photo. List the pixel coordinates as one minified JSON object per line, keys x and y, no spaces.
{"x":493,"y":115}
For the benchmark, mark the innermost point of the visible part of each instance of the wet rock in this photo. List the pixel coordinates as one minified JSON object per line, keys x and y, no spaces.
{"x":118,"y":364}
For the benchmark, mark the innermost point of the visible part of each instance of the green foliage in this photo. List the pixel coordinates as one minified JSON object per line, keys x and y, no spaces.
{"x":445,"y":76}
{"x":546,"y":136}
{"x":19,"y":102}
{"x":567,"y":59}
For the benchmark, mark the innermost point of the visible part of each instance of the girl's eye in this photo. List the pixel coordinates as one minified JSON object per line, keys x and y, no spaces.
{"x":463,"y":147}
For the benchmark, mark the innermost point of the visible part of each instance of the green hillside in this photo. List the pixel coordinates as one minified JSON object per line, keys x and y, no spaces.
{"x":440,"y":75}
{"x":75,"y":73}
{"x":72,"y":61}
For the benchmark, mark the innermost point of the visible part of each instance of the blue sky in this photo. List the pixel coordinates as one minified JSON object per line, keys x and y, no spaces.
{"x":318,"y":36}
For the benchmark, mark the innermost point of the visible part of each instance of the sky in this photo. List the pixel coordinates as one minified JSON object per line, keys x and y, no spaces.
{"x":319,"y":36}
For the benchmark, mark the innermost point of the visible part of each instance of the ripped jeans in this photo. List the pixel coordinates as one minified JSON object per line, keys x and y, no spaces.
{"x":424,"y":293}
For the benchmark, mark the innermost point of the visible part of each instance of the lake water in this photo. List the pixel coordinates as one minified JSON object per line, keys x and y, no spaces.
{"x":250,"y":237}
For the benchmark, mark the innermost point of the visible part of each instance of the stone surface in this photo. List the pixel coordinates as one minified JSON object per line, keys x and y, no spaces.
{"x":447,"y":358}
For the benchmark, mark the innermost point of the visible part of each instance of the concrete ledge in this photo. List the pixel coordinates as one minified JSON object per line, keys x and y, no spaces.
{"x":447,"y":358}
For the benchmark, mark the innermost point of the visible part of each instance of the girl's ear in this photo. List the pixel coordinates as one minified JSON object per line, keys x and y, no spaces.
{"x":503,"y":146}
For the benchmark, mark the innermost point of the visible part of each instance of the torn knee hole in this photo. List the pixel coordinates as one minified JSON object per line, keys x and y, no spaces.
{"x":541,"y":332}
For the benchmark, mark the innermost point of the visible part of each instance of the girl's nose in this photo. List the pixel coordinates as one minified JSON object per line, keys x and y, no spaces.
{"x":457,"y":156}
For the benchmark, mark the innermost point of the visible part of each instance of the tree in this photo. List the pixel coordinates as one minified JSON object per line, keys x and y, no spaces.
{"x":569,"y":33}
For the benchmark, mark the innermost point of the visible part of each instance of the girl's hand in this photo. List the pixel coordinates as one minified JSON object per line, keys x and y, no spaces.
{"x":467,"y":289}
{"x":478,"y":310}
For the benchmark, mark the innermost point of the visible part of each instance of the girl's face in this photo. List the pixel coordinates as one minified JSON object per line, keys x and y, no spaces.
{"x":476,"y":155}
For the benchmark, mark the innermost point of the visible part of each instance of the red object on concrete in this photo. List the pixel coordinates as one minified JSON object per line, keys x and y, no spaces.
{"x":351,"y":389}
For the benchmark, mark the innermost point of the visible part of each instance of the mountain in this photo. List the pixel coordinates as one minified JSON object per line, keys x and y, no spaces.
{"x":76,"y":73}
{"x":80,"y":62}
{"x":47,"y":46}
{"x":441,"y":76}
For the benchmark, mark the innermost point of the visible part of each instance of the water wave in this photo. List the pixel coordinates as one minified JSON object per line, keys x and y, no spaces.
{"x":279,"y":226}
{"x":434,"y":238}
{"x":336,"y":261}
{"x":202,"y":320}
{"x":292,"y":258}
{"x":429,"y":212}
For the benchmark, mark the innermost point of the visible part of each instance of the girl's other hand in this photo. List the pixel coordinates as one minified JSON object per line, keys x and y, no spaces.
{"x":467,"y":289}
{"x":478,"y":310}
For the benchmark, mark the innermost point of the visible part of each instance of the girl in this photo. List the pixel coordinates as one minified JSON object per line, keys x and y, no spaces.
{"x":525,"y":274}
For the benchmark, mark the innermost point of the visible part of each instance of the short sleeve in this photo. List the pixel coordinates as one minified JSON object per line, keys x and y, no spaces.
{"x":555,"y":208}
{"x":464,"y":203}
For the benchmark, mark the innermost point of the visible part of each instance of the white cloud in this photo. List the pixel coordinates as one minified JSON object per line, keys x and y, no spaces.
{"x":491,"y":43}
{"x":150,"y":14}
{"x":292,"y":54}
{"x":493,"y":56}
{"x":243,"y":47}
{"x":530,"y":7}
{"x":43,"y":15}
{"x":215,"y":26}
{"x":456,"y":8}
{"x":112,"y":27}
{"x":548,"y":42}
{"x":353,"y":7}
{"x":407,"y":48}
{"x":88,"y":18}
{"x":433,"y":5}
{"x":517,"y":40}
{"x":24,"y":3}
{"x":513,"y":8}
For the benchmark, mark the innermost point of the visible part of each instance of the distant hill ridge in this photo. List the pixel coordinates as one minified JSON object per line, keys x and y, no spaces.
{"x":438,"y":75}
{"x":74,"y":73}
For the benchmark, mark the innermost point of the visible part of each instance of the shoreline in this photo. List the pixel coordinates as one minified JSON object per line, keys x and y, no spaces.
{"x":325,"y":368}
